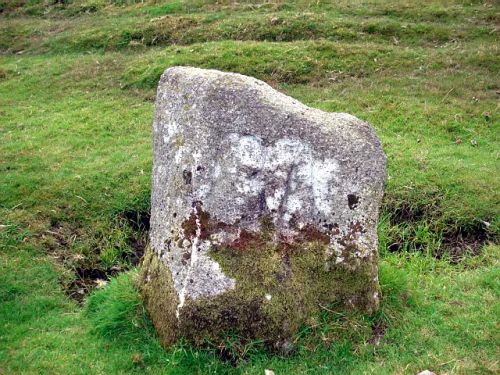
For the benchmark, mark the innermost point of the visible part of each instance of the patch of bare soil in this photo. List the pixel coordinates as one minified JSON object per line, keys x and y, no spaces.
{"x":86,"y":272}
{"x":378,"y":332}
{"x":456,"y":241}
{"x":462,"y":242}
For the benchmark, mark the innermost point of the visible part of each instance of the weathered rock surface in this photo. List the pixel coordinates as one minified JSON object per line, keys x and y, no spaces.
{"x":263,"y":210}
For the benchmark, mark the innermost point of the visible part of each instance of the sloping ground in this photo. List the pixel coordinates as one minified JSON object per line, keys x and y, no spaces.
{"x":77,"y":82}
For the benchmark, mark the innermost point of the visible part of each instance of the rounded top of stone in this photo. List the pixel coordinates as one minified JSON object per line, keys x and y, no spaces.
{"x":237,"y":99}
{"x":234,"y":82}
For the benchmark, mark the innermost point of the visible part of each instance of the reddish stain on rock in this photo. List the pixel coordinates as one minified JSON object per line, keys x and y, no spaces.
{"x":245,"y":240}
{"x":200,"y":219}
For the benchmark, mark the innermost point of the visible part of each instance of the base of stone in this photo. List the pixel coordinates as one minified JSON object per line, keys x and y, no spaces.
{"x":277,"y":291}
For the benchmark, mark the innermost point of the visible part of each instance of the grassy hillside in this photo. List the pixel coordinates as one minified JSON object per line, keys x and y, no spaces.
{"x":77,"y":84}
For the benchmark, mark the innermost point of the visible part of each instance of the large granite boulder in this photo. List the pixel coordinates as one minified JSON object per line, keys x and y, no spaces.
{"x":264,"y":211}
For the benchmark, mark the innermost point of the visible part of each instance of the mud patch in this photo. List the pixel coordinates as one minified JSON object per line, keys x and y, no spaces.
{"x":90,"y":255}
{"x":137,"y":219}
{"x":453,"y":245}
{"x":406,"y":212}
{"x":378,"y":332}
{"x":465,"y":241}
{"x":86,"y":280}
{"x":139,"y":222}
{"x":420,"y":227}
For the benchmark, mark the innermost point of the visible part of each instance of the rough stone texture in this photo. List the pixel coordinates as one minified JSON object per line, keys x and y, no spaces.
{"x":263,"y":210}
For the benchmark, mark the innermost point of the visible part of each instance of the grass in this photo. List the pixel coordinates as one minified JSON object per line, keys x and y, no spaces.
{"x":76,"y":89}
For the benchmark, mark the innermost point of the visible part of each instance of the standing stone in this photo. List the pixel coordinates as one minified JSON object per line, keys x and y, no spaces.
{"x":264,"y":211}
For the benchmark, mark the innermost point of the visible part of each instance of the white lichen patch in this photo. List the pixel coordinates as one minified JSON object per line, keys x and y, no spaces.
{"x":321,"y":179}
{"x":288,"y":175}
{"x":171,"y":130}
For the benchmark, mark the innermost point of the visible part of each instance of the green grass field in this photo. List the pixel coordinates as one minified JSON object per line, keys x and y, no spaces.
{"x":77,"y":84}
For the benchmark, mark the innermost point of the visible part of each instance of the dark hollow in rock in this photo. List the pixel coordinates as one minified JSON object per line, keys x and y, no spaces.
{"x":352,"y":201}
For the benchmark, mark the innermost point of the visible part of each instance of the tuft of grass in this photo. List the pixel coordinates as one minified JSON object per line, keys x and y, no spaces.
{"x":116,"y":312}
{"x":172,"y":7}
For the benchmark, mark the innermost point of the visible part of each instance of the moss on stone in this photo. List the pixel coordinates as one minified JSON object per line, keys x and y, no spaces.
{"x":292,"y":284}
{"x":156,"y":286}
{"x":278,"y":289}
